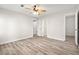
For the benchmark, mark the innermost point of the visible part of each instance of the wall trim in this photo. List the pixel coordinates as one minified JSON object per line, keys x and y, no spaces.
{"x":29,"y":36}
{"x":59,"y":39}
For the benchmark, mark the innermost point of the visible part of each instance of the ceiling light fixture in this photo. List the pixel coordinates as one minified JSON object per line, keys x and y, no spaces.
{"x":35,"y":9}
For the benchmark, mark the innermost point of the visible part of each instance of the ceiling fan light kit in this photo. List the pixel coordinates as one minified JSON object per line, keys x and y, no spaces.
{"x":36,"y":9}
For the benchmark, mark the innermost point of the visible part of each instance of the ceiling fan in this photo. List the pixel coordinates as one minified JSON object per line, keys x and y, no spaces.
{"x":35,"y":9}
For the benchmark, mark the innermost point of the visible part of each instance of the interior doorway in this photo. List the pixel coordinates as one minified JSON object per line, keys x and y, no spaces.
{"x":70,"y":28}
{"x":34,"y":28}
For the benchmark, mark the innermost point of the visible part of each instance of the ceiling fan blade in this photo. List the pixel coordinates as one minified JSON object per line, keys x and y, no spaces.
{"x":40,"y":10}
{"x":28,"y":11}
{"x":28,"y":8}
{"x":43,"y":10}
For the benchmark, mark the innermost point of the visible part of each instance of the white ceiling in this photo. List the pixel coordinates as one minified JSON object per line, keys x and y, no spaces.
{"x":51,"y":8}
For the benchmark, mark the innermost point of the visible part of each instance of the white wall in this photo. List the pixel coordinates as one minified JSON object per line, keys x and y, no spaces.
{"x":14,"y":26}
{"x":70,"y":25}
{"x":52,"y":26}
{"x":55,"y":25}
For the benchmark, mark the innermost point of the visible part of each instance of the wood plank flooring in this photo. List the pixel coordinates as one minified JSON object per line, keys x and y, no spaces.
{"x":39,"y":46}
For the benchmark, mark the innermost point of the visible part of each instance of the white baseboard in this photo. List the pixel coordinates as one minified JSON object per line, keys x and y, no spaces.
{"x":70,"y":35}
{"x":15,"y":39}
{"x":56,"y":38}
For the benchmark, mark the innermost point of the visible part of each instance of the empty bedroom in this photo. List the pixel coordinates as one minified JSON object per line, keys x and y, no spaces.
{"x":39,"y":29}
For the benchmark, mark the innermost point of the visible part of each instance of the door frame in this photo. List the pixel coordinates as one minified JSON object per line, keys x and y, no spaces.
{"x":35,"y":20}
{"x":76,"y":28}
{"x":69,"y":14}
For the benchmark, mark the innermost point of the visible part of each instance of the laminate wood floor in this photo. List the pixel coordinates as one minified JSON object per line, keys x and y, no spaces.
{"x":39,"y":46}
